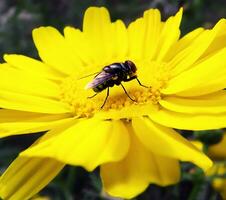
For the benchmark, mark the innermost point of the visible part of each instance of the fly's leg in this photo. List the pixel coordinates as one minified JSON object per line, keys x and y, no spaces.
{"x":127,"y":93}
{"x":135,"y":77}
{"x":105,"y":98}
{"x":92,"y":96}
{"x":141,"y":83}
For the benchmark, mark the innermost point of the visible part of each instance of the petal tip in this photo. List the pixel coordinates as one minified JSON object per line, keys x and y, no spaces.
{"x":42,"y":29}
{"x":6,"y":56}
{"x":180,"y":13}
{"x":94,"y":9}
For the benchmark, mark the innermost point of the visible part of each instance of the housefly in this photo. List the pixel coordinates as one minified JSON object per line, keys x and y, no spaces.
{"x":111,"y":75}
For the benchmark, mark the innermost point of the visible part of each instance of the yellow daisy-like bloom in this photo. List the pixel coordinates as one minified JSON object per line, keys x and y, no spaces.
{"x":218,"y":151}
{"x":134,"y":143}
{"x":217,"y":172}
{"x":219,"y":183}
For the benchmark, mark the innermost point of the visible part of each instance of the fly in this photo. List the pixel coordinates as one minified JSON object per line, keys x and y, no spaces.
{"x":112,"y":75}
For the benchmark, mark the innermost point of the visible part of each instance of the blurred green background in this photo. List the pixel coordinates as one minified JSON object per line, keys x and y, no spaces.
{"x":19,"y":17}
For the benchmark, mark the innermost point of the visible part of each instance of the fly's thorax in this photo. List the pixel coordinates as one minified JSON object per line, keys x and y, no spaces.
{"x":113,"y":68}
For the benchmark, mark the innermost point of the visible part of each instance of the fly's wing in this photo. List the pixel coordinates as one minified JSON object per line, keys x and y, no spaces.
{"x":99,"y":79}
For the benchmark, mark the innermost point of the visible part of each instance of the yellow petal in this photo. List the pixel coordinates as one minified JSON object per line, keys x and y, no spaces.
{"x":218,"y":151}
{"x":199,"y":74}
{"x":27,"y":176}
{"x":144,"y":35}
{"x":54,"y":51}
{"x":199,"y":145}
{"x":169,"y":36}
{"x":99,"y":31}
{"x":194,"y":36}
{"x":120,"y":43}
{"x":17,"y":122}
{"x":14,"y":80}
{"x":183,"y":43}
{"x":32,"y":66}
{"x":137,"y":170}
{"x":187,"y":57}
{"x":172,"y":144}
{"x":103,"y":139}
{"x":215,"y":84}
{"x":75,"y":39}
{"x":212,"y":103}
{"x":219,"y":41}
{"x":23,"y":102}
{"x":189,"y":121}
{"x":111,"y":37}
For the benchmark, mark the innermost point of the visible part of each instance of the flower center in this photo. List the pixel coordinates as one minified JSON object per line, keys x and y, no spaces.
{"x":73,"y":92}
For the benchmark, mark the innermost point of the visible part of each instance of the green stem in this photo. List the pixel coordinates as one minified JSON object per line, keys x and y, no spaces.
{"x":195,"y":191}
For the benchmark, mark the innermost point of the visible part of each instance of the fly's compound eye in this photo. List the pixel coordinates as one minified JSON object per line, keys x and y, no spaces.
{"x":131,"y":65}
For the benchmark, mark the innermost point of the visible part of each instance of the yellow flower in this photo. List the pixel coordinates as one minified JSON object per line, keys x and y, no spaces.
{"x":219,"y":181}
{"x":218,"y":171}
{"x":218,"y":151}
{"x":134,"y":143}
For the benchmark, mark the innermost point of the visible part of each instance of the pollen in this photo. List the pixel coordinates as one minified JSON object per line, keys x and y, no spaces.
{"x":141,"y":96}
{"x":74,"y":94}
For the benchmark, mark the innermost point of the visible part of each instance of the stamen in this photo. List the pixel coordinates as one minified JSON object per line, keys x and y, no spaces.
{"x":74,"y":94}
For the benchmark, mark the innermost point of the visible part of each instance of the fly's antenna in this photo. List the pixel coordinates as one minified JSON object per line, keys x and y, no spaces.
{"x":89,"y":75}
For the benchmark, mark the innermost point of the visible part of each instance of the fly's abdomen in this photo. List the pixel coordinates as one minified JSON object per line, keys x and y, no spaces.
{"x":103,"y":86}
{"x":100,"y":87}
